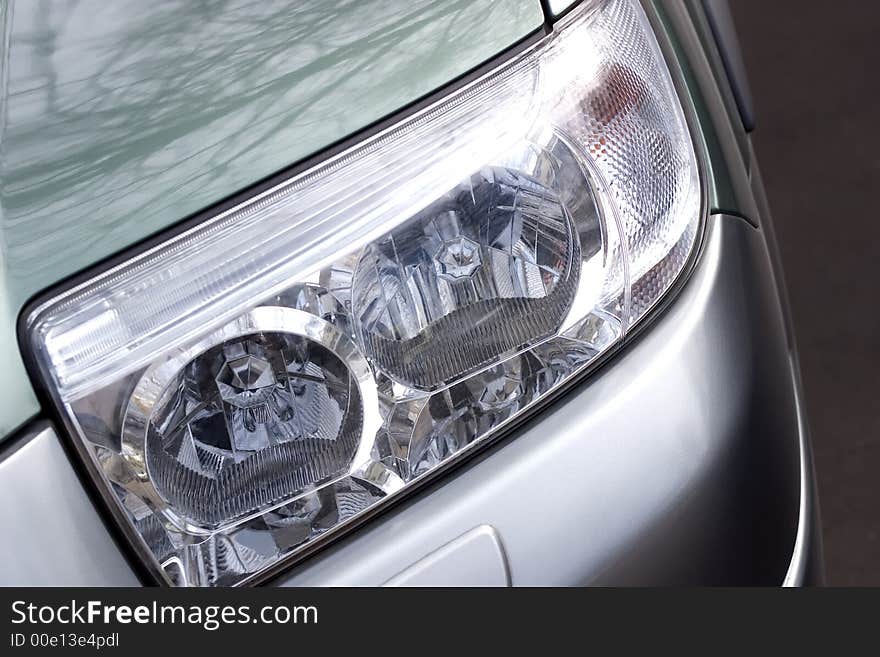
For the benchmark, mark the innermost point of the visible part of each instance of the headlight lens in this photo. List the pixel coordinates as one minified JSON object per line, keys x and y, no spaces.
{"x":278,"y":401}
{"x":489,"y":268}
{"x":264,"y":377}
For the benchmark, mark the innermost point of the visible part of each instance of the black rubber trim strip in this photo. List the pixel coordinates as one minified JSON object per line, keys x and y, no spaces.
{"x":550,"y":17}
{"x":548,"y":14}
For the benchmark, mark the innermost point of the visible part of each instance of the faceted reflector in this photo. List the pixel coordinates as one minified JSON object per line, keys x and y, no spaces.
{"x":488,"y":268}
{"x":249,"y":422}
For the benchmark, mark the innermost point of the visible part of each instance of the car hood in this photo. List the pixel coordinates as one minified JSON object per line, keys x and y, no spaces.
{"x":119,"y":119}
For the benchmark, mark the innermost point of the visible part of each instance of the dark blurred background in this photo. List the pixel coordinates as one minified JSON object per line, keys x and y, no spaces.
{"x":814,"y":69}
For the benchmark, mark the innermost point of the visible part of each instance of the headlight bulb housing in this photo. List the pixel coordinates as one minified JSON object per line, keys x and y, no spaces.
{"x":263,"y":379}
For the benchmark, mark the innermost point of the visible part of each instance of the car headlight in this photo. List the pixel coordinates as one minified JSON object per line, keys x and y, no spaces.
{"x":266,"y":376}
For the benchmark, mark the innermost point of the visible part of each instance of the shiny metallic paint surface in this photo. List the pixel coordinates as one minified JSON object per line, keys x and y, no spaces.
{"x":476,"y":558}
{"x":53,"y":535}
{"x":120,"y":119}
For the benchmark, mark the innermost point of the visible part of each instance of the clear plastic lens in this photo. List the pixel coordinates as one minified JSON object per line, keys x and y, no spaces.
{"x":481,"y":272}
{"x":250,"y":420}
{"x":265,"y":377}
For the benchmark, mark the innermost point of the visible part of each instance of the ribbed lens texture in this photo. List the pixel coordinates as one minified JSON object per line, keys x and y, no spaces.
{"x":630,"y":125}
{"x":452,"y":417}
{"x":484,"y":270}
{"x":250,"y":422}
